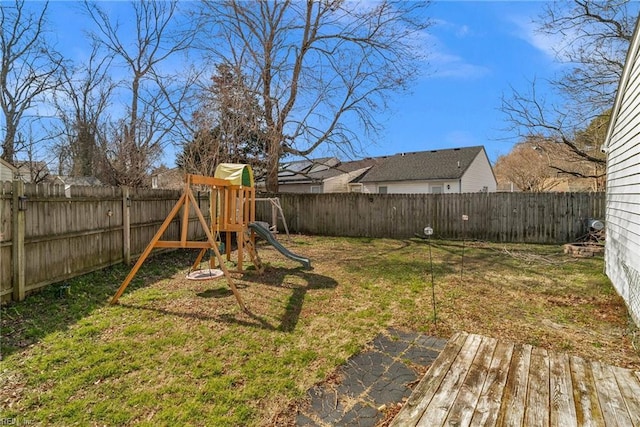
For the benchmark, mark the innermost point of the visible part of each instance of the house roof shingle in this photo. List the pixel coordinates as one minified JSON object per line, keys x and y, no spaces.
{"x":305,"y":171}
{"x":423,"y":165}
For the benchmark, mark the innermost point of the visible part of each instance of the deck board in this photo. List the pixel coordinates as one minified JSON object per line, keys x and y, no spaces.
{"x":422,"y":395}
{"x":486,"y":411}
{"x":611,"y":401}
{"x":585,"y":398}
{"x":439,"y":407}
{"x":515,"y":392}
{"x":479,"y":381}
{"x":463,"y":407}
{"x":630,"y":390}
{"x":561,"y":405}
{"x":537,"y":404}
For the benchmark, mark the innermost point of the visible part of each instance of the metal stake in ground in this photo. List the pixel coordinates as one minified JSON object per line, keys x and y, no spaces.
{"x":428,"y":231}
{"x":465,"y":218}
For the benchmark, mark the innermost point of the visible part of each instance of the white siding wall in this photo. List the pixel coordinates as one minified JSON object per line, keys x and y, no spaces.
{"x":6,"y":172}
{"x":369,"y":187}
{"x":622,"y":247}
{"x":296,"y":188}
{"x":412,"y":187}
{"x":479,"y":175}
{"x":340,"y":183}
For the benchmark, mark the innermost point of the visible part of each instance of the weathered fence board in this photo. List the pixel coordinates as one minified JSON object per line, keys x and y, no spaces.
{"x":501,"y":217}
{"x":71,"y":231}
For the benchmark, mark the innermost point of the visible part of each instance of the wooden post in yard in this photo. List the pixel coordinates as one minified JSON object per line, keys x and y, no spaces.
{"x":17,"y":241}
{"x":126,"y":225}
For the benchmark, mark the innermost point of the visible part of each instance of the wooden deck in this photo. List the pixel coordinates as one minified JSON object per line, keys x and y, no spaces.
{"x":479,"y":381}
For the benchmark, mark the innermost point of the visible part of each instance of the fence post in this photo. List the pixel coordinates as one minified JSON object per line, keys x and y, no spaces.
{"x":17,"y":240}
{"x":126,"y":225}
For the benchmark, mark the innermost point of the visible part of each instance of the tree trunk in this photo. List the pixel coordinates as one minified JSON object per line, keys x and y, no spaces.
{"x":8,"y":145}
{"x":272,"y":164}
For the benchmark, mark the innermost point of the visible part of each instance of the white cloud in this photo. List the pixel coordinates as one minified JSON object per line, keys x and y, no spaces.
{"x":446,"y":64}
{"x":550,"y":45}
{"x":462,"y":31}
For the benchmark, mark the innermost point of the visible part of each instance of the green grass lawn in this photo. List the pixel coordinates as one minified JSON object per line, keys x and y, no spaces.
{"x":182,"y":352}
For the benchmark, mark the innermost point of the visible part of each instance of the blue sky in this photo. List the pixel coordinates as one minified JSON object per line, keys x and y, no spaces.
{"x":478,"y":50}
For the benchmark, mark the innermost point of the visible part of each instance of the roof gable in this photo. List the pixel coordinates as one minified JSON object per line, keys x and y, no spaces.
{"x":8,"y":165}
{"x":423,"y":165}
{"x":307,"y":170}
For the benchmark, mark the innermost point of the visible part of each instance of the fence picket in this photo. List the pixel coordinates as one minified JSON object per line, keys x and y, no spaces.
{"x":69,"y":236}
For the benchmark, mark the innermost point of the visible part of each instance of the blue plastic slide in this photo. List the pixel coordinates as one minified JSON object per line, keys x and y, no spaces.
{"x":266,"y":234}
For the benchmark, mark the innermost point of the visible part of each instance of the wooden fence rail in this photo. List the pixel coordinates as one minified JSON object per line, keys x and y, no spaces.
{"x":63,"y":233}
{"x":497,"y":217}
{"x":49,"y":234}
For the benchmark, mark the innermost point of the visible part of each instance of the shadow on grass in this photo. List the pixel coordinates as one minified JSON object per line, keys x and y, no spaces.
{"x":276,"y":277}
{"x":272,"y":277}
{"x":60,"y":305}
{"x":258,"y":321}
{"x":477,"y":256}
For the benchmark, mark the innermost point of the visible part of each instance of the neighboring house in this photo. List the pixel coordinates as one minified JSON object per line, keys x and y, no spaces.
{"x":33,"y":171}
{"x":304,"y":176}
{"x":454,"y":170}
{"x":622,"y":220}
{"x":68,"y":181}
{"x":168,"y":179}
{"x":7,"y":171}
{"x":74,"y":181}
{"x":325,"y":175}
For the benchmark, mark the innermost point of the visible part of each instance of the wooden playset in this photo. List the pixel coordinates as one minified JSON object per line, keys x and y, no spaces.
{"x":231,"y":210}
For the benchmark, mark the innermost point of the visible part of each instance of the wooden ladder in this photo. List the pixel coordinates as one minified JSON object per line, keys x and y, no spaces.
{"x":250,"y":244}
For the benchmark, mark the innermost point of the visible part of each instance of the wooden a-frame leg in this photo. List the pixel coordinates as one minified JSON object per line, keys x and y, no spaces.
{"x":223,"y":267}
{"x":149,"y":248}
{"x":198,"y":260}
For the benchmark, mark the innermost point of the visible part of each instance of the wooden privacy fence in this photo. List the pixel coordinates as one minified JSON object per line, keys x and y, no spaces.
{"x":497,"y":217}
{"x":49,"y":234}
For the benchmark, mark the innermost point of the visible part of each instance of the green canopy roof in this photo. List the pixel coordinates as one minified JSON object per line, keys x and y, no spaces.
{"x":237,"y":173}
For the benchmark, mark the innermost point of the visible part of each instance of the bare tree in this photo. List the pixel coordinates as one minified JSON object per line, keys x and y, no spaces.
{"x":594,"y":38}
{"x":155,"y":106}
{"x":81,"y":102}
{"x":538,"y":164}
{"x":531,"y":116}
{"x":230,"y":126}
{"x":29,"y":67}
{"x":527,"y":166}
{"x":320,"y":68}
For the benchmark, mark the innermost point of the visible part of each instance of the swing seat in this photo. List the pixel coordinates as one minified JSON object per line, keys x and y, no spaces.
{"x":205,"y":274}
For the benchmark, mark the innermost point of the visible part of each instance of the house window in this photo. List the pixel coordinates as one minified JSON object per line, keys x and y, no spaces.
{"x":436,"y":189}
{"x":382,"y":189}
{"x":356,"y":188}
{"x":315,"y":189}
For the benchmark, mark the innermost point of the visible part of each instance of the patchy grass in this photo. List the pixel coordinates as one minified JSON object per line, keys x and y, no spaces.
{"x":179,"y":351}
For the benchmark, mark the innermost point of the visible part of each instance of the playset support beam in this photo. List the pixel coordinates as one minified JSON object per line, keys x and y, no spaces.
{"x":186,"y":201}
